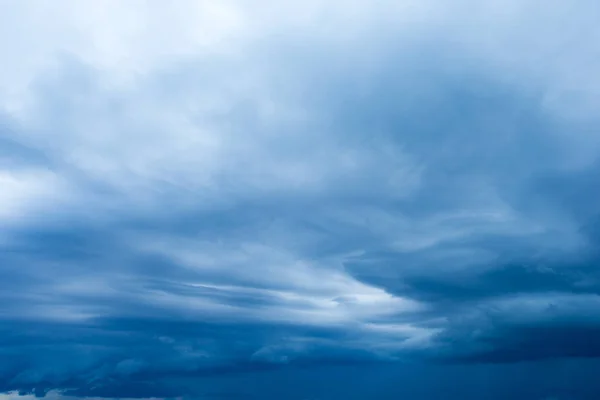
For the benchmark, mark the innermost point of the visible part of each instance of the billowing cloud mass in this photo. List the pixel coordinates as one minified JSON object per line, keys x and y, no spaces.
{"x":300,"y":199}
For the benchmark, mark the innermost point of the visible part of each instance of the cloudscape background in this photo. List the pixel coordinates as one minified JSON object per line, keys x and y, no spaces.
{"x":309,"y":199}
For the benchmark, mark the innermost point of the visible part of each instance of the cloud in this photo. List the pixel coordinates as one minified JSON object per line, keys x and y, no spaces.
{"x":224,"y":190}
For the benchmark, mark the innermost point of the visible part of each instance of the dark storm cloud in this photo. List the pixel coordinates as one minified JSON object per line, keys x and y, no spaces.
{"x":349,"y":214}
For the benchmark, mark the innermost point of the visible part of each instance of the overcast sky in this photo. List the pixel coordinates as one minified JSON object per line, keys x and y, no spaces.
{"x":300,"y":199}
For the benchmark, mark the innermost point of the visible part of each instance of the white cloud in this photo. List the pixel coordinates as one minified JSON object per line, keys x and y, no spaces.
{"x":127,"y":130}
{"x":150,"y":112}
{"x":55,"y":395}
{"x":29,"y":194}
{"x":301,"y":291}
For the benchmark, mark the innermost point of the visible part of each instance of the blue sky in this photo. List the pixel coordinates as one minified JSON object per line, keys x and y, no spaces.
{"x":301,"y":199}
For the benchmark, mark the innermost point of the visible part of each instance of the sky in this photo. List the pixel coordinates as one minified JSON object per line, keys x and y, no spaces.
{"x":309,"y":200}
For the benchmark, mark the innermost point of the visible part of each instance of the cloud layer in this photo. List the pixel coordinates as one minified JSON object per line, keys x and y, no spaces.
{"x":222,"y":190}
